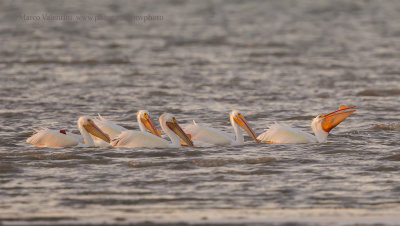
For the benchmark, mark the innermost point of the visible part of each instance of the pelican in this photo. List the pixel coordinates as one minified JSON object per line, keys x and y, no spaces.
{"x":168,"y":124}
{"x":321,"y":126}
{"x":54,"y":138}
{"x":216,"y":137}
{"x":113,"y":130}
{"x":97,"y":142}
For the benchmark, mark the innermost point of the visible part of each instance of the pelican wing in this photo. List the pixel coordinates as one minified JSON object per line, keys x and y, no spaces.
{"x":283,"y":134}
{"x":52,"y":138}
{"x":108,"y":127}
{"x":131,"y":138}
{"x":207,"y":135}
{"x":77,"y":137}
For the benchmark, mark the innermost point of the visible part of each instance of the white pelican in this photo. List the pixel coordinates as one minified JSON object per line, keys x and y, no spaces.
{"x":113,"y":130}
{"x":97,"y":142}
{"x":321,"y":125}
{"x":213,"y":136}
{"x":168,"y":123}
{"x":53,"y":138}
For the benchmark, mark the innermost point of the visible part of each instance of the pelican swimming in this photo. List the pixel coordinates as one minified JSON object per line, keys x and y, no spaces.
{"x":168,"y":124}
{"x":97,"y":142}
{"x":113,"y":130}
{"x":321,"y":125}
{"x":210,"y":135}
{"x":54,"y":138}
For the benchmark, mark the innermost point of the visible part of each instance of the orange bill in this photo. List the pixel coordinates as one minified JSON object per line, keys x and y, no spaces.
{"x":332,"y":119}
{"x":178,"y":131}
{"x":97,"y":132}
{"x":150,"y":126}
{"x":243,"y":123}
{"x":183,"y":143}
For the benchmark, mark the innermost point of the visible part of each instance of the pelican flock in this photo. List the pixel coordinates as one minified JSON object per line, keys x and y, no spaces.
{"x":99,"y":131}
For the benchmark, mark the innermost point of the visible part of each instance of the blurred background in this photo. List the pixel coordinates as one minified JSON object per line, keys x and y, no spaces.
{"x":284,"y":61}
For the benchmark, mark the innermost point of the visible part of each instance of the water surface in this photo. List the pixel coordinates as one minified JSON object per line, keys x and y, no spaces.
{"x":285,"y":61}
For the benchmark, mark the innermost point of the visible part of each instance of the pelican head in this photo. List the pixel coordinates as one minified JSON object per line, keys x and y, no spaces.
{"x":170,"y":121}
{"x":237,"y":117}
{"x":322,"y":124}
{"x":143,"y":116}
{"x":87,"y":123}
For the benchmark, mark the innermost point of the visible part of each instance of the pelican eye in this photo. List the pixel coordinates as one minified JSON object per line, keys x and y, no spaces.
{"x":89,"y":121}
{"x":146,"y":115}
{"x":173,"y":119}
{"x":240,"y":115}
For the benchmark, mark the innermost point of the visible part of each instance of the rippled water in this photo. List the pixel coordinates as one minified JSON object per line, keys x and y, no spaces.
{"x":275,"y":61}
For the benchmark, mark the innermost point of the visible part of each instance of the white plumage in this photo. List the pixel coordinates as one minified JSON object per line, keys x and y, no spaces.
{"x":108,"y":127}
{"x":113,"y":130}
{"x":209,"y":135}
{"x":132,"y":138}
{"x":143,"y":139}
{"x":53,"y":138}
{"x":279,"y":133}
